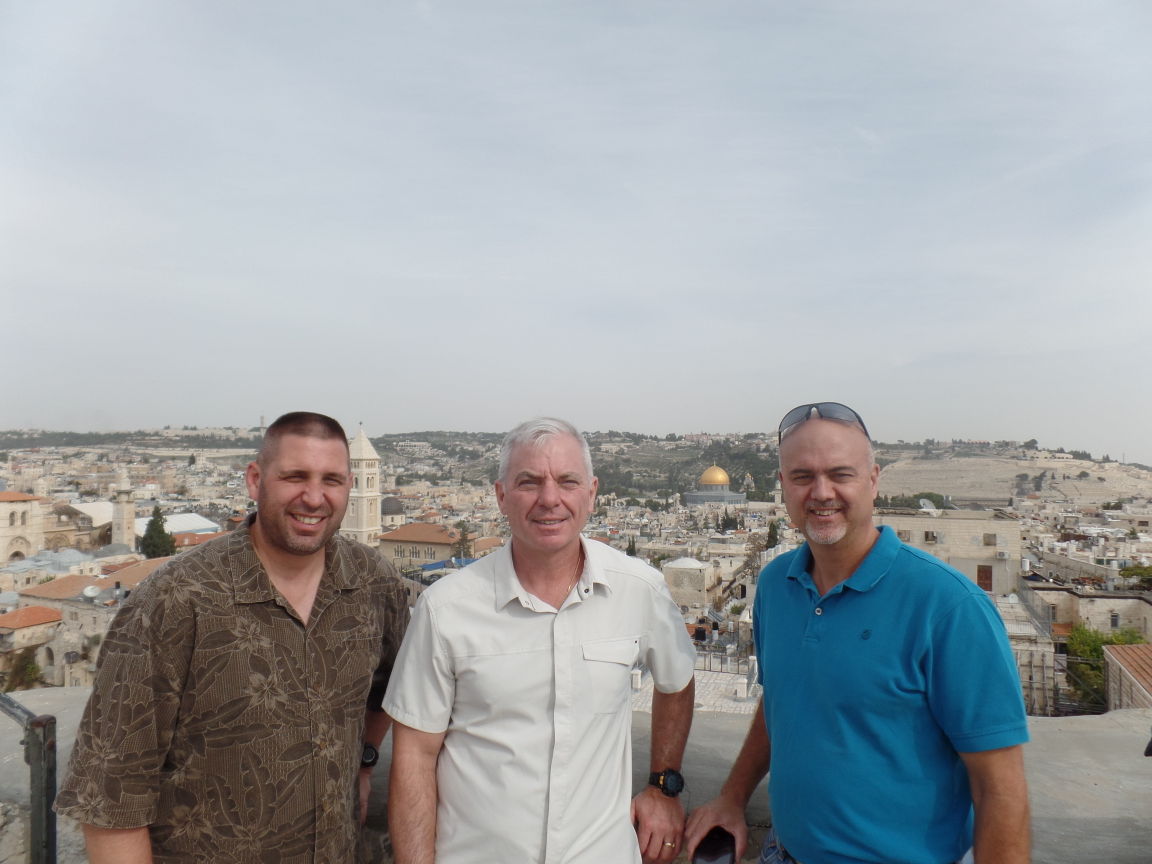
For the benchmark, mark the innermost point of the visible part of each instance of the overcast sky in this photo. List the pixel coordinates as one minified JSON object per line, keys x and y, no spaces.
{"x":651,"y":215}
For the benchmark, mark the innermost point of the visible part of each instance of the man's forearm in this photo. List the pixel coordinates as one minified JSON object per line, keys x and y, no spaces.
{"x":376,"y":725}
{"x":118,"y":845}
{"x":671,"y":723}
{"x":752,"y":763}
{"x":412,"y":795}
{"x":1000,"y":798}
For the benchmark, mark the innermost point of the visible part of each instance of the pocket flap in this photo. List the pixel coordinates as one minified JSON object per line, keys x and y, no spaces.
{"x":623,"y":651}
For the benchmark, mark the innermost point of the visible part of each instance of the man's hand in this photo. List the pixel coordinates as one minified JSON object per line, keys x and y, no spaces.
{"x":720,"y":811}
{"x":659,"y":821}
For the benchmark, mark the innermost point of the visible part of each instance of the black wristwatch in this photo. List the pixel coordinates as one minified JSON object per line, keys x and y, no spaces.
{"x":669,"y":781}
{"x":369,"y":757}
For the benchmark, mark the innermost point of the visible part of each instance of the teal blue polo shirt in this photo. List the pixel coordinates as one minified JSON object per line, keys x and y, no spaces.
{"x":870,"y":693}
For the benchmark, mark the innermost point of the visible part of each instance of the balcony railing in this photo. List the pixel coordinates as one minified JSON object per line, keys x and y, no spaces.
{"x":40,"y":753}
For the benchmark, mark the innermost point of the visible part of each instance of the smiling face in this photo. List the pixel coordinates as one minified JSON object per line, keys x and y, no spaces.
{"x":546,"y":494}
{"x":829,"y":481}
{"x":300,"y":486}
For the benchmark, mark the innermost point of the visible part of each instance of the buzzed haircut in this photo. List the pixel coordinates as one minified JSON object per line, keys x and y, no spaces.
{"x":306,"y":423}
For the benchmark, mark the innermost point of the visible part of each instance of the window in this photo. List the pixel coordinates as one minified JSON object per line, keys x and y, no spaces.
{"x":1114,"y":620}
{"x":904,"y":534}
{"x":989,"y":539}
{"x":24,"y":518}
{"x":12,"y":518}
{"x":930,"y":537}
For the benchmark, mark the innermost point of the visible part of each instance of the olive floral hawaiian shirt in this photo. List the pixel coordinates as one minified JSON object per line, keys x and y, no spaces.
{"x":225,"y":724}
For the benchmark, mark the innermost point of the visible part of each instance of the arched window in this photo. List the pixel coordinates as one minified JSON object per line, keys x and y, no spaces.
{"x":11,"y":518}
{"x":24,"y":518}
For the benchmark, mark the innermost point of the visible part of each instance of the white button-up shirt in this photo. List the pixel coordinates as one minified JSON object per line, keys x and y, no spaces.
{"x":536,"y":702}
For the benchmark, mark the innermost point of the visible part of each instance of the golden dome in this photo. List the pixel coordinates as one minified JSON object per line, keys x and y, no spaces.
{"x":714,"y":476}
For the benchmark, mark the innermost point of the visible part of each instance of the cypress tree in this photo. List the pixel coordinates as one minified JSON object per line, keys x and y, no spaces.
{"x":157,"y":543}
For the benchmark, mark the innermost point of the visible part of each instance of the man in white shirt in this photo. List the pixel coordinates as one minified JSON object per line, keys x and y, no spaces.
{"x":511,"y":695}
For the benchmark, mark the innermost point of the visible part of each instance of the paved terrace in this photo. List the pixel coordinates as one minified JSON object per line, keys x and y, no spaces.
{"x":1091,"y":786}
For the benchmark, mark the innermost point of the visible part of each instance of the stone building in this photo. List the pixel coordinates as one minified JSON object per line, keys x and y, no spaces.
{"x":688,"y":580}
{"x":362,"y":520}
{"x":417,"y":544}
{"x":1069,"y":605}
{"x":86,"y":603}
{"x":984,"y":545}
{"x":21,"y":525}
{"x":26,"y":629}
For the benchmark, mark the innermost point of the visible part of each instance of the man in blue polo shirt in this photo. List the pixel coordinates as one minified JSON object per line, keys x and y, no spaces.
{"x":892,"y":717}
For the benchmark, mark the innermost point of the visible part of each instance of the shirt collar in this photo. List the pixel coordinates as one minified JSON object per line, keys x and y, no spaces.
{"x":865,"y":577}
{"x":508,"y":588}
{"x":250,"y":582}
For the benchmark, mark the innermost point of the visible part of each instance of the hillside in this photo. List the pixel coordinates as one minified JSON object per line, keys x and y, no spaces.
{"x":991,"y":479}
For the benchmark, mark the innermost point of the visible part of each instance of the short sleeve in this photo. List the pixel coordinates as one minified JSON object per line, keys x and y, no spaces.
{"x":422,"y":688}
{"x":130,"y":719}
{"x":670,"y":657}
{"x":975,"y":692}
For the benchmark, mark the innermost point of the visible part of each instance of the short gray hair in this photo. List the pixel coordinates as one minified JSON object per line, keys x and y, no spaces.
{"x":536,"y":431}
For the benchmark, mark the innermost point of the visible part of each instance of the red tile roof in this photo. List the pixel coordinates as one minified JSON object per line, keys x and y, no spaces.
{"x":189,"y":538}
{"x":420,"y":532}
{"x":14,"y":497}
{"x":68,"y":587}
{"x":486,"y":544}
{"x":28,"y":616}
{"x":1136,"y":659}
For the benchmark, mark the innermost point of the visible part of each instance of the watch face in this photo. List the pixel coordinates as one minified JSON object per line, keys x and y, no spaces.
{"x":369,"y":757}
{"x":673,"y":782}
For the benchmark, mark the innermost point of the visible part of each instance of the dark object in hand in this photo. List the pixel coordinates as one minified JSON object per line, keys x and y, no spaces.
{"x":717,"y":847}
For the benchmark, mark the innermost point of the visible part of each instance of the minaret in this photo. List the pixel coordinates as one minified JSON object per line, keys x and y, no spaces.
{"x":362,"y":521}
{"x":124,"y":518}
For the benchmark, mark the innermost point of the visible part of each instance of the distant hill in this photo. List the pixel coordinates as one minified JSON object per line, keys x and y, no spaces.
{"x":994,"y":479}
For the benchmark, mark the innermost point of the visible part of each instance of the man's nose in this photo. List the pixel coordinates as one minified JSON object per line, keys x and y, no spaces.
{"x":822,"y":488}
{"x":549,"y":493}
{"x":313,"y":495}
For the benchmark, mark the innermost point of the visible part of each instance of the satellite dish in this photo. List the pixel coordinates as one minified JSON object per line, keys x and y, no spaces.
{"x":927,"y":506}
{"x":92,"y":591}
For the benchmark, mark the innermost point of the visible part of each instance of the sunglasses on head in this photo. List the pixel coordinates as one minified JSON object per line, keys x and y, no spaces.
{"x":824,"y":410}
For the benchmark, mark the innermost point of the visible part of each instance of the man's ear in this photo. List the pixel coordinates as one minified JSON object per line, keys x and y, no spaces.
{"x":252,"y":479}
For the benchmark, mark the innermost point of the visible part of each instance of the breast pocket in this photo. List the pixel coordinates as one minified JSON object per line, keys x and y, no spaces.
{"x":607,"y":671}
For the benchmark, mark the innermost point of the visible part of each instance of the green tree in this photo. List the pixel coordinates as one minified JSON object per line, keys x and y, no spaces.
{"x":24,"y":673}
{"x":773,"y":535}
{"x":1144,"y":574}
{"x":191,"y":458}
{"x":157,"y":543}
{"x":462,"y":548}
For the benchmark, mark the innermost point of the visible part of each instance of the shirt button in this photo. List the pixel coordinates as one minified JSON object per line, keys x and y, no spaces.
{"x":819,"y":611}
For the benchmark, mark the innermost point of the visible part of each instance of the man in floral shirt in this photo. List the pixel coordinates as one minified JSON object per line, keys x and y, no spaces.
{"x":228,"y":720}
